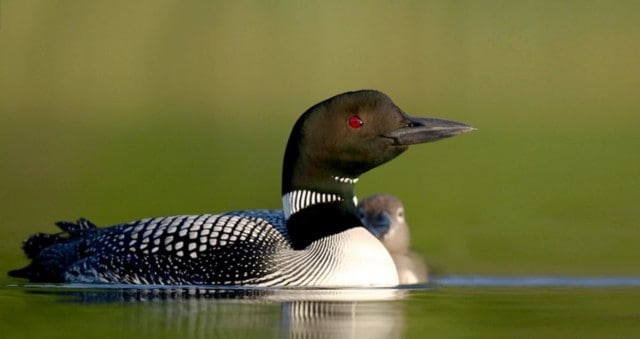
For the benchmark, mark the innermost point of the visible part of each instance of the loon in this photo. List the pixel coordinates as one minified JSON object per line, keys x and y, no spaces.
{"x":383,"y":216}
{"x":316,"y":240}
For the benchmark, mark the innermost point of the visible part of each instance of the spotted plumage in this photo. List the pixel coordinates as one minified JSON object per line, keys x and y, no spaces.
{"x":316,"y":240}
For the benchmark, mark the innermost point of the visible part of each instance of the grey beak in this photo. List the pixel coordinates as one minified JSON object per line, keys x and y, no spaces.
{"x":421,"y":130}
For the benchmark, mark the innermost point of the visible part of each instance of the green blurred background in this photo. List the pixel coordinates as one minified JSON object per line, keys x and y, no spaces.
{"x":119,"y":110}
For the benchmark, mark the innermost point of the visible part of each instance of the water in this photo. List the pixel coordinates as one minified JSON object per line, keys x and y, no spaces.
{"x":456,"y":306}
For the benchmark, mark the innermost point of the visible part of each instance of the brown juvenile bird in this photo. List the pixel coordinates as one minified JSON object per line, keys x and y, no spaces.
{"x":383,"y":216}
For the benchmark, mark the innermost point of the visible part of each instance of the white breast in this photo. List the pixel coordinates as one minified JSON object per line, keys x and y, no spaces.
{"x":353,"y":258}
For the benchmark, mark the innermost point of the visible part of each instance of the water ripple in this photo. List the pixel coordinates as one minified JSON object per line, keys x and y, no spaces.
{"x":535,"y":281}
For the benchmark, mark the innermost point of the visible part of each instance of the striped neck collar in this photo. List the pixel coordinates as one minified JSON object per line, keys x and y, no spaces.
{"x":295,"y":201}
{"x":345,"y":180}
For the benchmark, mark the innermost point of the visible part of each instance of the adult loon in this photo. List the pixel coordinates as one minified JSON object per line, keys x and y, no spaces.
{"x":383,"y":215}
{"x":316,"y":240}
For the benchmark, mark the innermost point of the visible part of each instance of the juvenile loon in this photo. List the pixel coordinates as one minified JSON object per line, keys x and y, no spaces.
{"x":383,"y":215}
{"x":316,"y":240}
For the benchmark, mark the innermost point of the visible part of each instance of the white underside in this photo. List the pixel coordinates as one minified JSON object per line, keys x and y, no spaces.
{"x":353,"y":258}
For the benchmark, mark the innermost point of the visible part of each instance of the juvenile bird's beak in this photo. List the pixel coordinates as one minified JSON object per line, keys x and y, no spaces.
{"x":421,"y":130}
{"x":378,"y":224}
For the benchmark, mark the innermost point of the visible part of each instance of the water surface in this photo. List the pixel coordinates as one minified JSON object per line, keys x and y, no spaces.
{"x":458,"y":306}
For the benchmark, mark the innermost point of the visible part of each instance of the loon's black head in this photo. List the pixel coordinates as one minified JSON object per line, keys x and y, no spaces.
{"x":337,"y":140}
{"x":351,"y":133}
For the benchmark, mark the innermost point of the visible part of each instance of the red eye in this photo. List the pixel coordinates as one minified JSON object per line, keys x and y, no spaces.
{"x":355,"y":121}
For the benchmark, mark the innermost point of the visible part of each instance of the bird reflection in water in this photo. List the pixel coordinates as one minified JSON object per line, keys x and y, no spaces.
{"x":211,"y":313}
